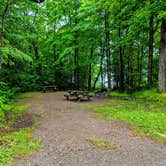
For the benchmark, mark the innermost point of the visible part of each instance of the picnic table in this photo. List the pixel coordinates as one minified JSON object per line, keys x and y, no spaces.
{"x":104,"y":92}
{"x":78,"y":95}
{"x":49,"y":87}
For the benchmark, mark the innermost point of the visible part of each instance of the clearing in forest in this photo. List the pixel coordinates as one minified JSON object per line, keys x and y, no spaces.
{"x":77,"y":137}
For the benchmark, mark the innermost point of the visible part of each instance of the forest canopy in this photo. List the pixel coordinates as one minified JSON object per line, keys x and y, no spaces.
{"x":83,"y":44}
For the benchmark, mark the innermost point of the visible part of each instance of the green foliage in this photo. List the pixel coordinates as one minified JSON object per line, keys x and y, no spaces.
{"x":144,"y":94}
{"x":17,"y":144}
{"x":52,"y":33}
{"x":151,"y":95}
{"x":6,"y":96}
{"x":9,"y":53}
{"x":117,"y":94}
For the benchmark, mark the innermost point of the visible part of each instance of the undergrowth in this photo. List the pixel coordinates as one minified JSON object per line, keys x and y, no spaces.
{"x":14,"y":142}
{"x":145,"y":94}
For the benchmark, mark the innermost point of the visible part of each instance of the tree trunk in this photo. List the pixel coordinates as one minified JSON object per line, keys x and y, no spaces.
{"x":107,"y":42}
{"x":121,"y":79}
{"x":54,"y":49}
{"x":54,"y":57}
{"x":140,"y":67}
{"x":76,"y":70}
{"x":3,"y":28}
{"x":90,"y":70}
{"x":150,"y":58}
{"x":76,"y":50}
{"x":101,"y":68}
{"x":38,"y":1}
{"x":130,"y":69}
{"x":37,"y":58}
{"x":162,"y":59}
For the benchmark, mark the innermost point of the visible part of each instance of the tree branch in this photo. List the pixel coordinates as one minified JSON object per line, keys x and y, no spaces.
{"x":38,"y":1}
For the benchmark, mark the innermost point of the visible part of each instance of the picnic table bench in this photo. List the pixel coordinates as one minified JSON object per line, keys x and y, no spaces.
{"x":78,"y":95}
{"x":49,"y":87}
{"x":102,"y":92}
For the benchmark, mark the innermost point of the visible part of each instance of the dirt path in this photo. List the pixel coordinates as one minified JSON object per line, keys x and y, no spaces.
{"x":65,"y":127}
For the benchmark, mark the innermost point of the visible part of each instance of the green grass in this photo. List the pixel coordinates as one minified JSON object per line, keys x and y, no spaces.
{"x":15,"y":143}
{"x":146,"y":114}
{"x":34,"y":95}
{"x":117,"y":94}
{"x":145,"y":94}
{"x":151,"y":95}
{"x":14,"y":112}
{"x":99,"y":143}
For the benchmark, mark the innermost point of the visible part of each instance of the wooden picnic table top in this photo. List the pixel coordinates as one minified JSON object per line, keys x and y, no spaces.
{"x":49,"y":86}
{"x":46,"y":87}
{"x":76,"y":92}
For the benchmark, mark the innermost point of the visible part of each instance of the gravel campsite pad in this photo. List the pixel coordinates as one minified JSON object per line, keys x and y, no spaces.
{"x":65,"y":127}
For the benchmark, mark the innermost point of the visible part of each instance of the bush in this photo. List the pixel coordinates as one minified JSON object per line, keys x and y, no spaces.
{"x":6,"y":96}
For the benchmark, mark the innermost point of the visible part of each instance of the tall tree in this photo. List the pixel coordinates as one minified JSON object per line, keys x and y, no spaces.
{"x":151,"y":41}
{"x":162,"y":59}
{"x":107,"y":47}
{"x":3,"y":27}
{"x":121,"y":64}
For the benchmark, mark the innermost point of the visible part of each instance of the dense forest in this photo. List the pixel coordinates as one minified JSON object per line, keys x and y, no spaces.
{"x":83,"y":44}
{"x":111,"y":53}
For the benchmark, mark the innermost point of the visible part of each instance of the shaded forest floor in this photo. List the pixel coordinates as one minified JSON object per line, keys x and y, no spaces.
{"x":77,"y":137}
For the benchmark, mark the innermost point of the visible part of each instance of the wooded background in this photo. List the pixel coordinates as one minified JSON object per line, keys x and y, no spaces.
{"x":83,"y":44}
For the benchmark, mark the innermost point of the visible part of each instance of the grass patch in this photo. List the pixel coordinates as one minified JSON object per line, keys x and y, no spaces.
{"x":15,"y":142}
{"x":34,"y":95}
{"x":99,"y":143}
{"x":117,"y":94}
{"x":10,"y":115}
{"x":151,"y":95}
{"x":145,"y":94}
{"x":146,"y":116}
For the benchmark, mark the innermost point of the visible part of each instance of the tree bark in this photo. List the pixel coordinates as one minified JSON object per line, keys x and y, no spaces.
{"x":150,"y":58}
{"x":37,"y":58}
{"x":101,"y":68}
{"x":3,"y":28}
{"x":130,"y":69}
{"x":121,"y":77}
{"x":76,"y":50}
{"x":38,"y":1}
{"x":107,"y":42}
{"x":90,"y":70}
{"x":162,"y":59}
{"x":140,"y":66}
{"x":76,"y":70}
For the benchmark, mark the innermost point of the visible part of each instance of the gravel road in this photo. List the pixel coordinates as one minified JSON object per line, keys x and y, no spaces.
{"x":65,"y":127}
